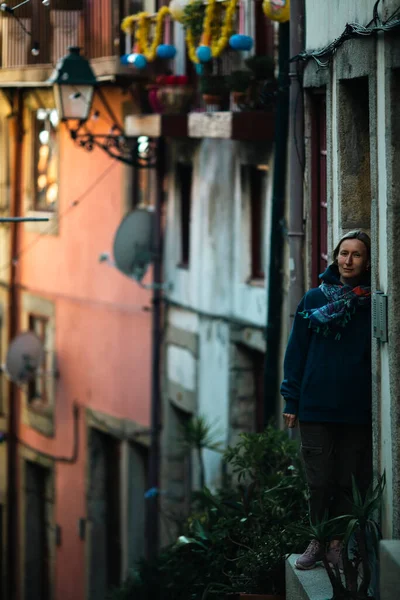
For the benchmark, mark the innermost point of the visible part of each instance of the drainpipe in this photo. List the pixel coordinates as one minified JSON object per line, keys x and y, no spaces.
{"x":152,"y":512}
{"x":13,"y":404}
{"x":275,"y":291}
{"x":296,"y":160}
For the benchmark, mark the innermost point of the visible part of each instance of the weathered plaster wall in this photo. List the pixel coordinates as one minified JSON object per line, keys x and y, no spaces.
{"x":209,"y":298}
{"x":215,"y":283}
{"x":102,"y":330}
{"x":335,"y":15}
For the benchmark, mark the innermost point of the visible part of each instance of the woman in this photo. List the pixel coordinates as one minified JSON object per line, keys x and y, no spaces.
{"x":327,"y":386}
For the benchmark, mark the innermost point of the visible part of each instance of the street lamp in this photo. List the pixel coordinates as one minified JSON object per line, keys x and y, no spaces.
{"x":74,"y":85}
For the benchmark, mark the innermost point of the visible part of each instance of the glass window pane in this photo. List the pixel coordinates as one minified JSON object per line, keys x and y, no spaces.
{"x":45,"y":160}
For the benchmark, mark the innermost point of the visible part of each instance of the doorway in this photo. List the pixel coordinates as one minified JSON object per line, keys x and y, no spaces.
{"x":103,"y":514}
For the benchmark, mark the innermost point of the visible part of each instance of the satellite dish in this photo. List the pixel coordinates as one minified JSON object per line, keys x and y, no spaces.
{"x":24,"y":357}
{"x":133,"y":243}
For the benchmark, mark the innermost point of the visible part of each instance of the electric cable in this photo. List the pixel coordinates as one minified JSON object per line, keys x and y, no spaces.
{"x":323,"y":56}
{"x":62,"y":459}
{"x":48,"y":230}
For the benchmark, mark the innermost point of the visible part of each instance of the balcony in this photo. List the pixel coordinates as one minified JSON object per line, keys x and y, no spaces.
{"x":94,"y":25}
{"x":231,"y":96}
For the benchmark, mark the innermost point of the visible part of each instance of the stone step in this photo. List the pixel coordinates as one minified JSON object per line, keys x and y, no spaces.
{"x":306,"y":585}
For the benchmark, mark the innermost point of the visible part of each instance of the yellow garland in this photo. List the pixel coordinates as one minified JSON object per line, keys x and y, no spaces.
{"x":191,"y":46}
{"x":140,"y":25}
{"x":217,"y":45}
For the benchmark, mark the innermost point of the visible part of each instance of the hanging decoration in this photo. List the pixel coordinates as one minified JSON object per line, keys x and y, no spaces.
{"x":277,"y":10}
{"x":240,"y":41}
{"x":139,"y":25}
{"x":166,"y":50}
{"x":216,"y":31}
{"x":137,"y":60}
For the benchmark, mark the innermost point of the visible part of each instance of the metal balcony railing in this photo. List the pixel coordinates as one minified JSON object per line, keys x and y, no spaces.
{"x":94,"y":25}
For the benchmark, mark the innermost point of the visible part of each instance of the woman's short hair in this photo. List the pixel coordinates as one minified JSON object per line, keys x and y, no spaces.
{"x":356,"y":234}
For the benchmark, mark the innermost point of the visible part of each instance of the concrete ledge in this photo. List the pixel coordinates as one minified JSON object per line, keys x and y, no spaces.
{"x":243,"y":126}
{"x":306,"y":585}
{"x":389,"y":555}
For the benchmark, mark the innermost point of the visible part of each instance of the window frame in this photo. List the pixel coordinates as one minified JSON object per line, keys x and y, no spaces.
{"x":319,"y":190}
{"x":40,"y":415}
{"x":255,"y":192}
{"x":35,"y":160}
{"x":185,"y":201}
{"x":44,"y":322}
{"x":33,"y":102}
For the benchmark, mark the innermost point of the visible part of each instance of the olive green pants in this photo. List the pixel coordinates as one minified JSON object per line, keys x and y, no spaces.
{"x":332,"y":453}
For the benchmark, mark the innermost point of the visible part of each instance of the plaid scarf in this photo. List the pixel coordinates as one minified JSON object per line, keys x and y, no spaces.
{"x":343,"y":302}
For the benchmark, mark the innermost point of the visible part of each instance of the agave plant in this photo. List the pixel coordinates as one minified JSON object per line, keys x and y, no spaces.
{"x":197,"y":435}
{"x":361,"y":534}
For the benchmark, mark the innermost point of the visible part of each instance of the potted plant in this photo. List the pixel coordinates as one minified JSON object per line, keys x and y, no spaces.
{"x":173,"y":94}
{"x":239,"y":84}
{"x":262,"y":68}
{"x":213,"y":89}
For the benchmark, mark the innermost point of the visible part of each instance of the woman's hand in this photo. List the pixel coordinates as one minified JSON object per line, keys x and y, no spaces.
{"x":290,"y":420}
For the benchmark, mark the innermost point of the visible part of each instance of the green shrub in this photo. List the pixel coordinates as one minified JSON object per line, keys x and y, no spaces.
{"x":235,"y":540}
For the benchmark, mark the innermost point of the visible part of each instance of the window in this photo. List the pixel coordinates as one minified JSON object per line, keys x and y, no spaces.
{"x":318,"y":191}
{"x":4,"y":165}
{"x":45,"y":164}
{"x":146,"y":187}
{"x":248,"y":410}
{"x":38,"y":388}
{"x":354,"y":154}
{"x":254,"y":180}
{"x":184,"y":174}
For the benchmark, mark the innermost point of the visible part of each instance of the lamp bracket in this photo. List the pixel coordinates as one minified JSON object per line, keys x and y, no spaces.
{"x":128,"y":150}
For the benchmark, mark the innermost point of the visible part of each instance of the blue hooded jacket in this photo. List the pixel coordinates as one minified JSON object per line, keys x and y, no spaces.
{"x":325,"y":379}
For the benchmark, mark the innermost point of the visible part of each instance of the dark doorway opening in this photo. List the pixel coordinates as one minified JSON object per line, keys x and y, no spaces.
{"x":37,"y":579}
{"x":104,"y":514}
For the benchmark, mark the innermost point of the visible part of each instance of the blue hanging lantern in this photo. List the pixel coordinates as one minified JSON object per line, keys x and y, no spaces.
{"x":241,"y":42}
{"x":166,"y":51}
{"x":137,"y":60}
{"x":203,"y":53}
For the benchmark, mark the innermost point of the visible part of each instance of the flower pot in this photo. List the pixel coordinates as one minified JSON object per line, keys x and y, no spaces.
{"x":212,"y":101}
{"x":239,"y":97}
{"x":175,"y":99}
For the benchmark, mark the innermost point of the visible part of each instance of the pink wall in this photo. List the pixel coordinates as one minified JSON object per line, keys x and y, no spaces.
{"x":103,"y":331}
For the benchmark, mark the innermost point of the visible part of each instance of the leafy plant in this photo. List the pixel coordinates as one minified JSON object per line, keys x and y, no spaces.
{"x":239,"y":81}
{"x":262,"y":67}
{"x":198,"y":435}
{"x":193,"y":15}
{"x":361,"y":535}
{"x":213,"y":84}
{"x":236,"y":539}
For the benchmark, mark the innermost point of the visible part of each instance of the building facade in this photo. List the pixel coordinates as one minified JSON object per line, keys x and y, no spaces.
{"x":351,"y":151}
{"x":72,"y":505}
